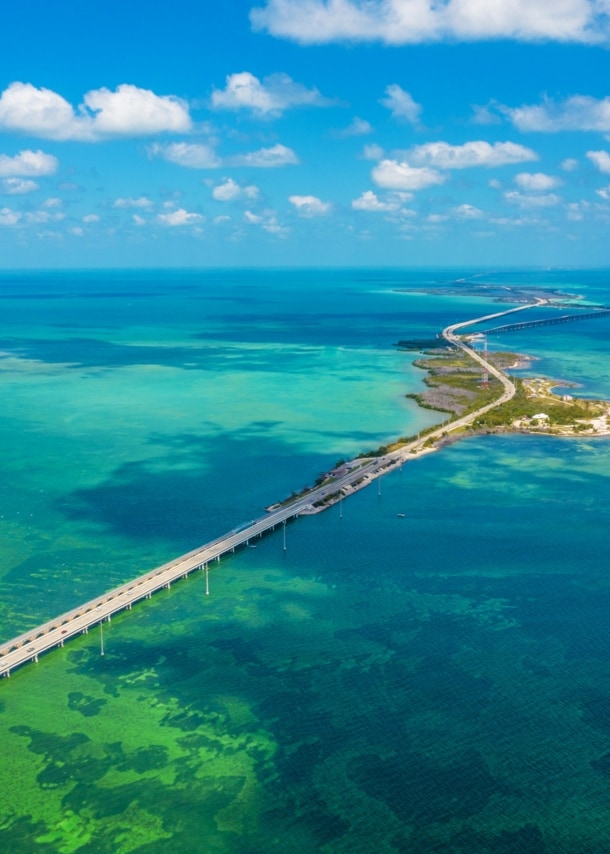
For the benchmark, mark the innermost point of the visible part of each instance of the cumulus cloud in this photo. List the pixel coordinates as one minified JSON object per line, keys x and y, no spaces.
{"x":401,"y":104}
{"x":128,"y":111}
{"x":373,"y":152}
{"x":603,"y":192}
{"x":580,"y":112}
{"x":252,"y":218}
{"x":601,"y":159}
{"x":177,"y":218}
{"x":310,"y":206}
{"x":200,"y":156}
{"x":29,"y":164}
{"x":400,"y":175}
{"x":575,"y":211}
{"x":569,"y":164}
{"x":468,"y":212}
{"x":268,"y":223}
{"x":269,"y":97}
{"x":369,"y":201}
{"x":357,"y":127}
{"x":403,"y":22}
{"x":190,"y":155}
{"x":17,"y":186}
{"x":229,"y":191}
{"x":534,"y":182}
{"x":547,"y":200}
{"x":266,"y":158}
{"x":9,"y":217}
{"x":43,"y":216}
{"x":129,"y":202}
{"x":90,"y":218}
{"x":442,"y":155}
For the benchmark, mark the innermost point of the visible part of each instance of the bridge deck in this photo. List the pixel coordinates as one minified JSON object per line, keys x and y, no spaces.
{"x":549,"y":321}
{"x":28,"y":646}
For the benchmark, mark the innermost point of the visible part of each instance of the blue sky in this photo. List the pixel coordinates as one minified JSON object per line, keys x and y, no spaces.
{"x":305,"y":132}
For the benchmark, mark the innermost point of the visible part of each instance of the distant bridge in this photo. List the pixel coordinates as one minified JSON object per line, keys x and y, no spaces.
{"x":551,"y":321}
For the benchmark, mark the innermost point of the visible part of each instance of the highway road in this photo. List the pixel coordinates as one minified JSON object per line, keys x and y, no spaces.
{"x":30,"y":645}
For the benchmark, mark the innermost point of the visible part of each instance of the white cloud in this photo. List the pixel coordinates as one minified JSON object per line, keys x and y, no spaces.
{"x":401,"y":104}
{"x":277,"y":155}
{"x":604,"y":193}
{"x":76,"y":230}
{"x":229,"y":191}
{"x":271,"y":97}
{"x":569,"y":164}
{"x":575,"y":211}
{"x":128,"y":111}
{"x":310,"y":206}
{"x":536,"y":182}
{"x":369,"y":201}
{"x":139,"y":220}
{"x":415,"y":21}
{"x":442,"y":155}
{"x":468,"y":212}
{"x":373,"y":152}
{"x":485,"y":114}
{"x":28,"y":163}
{"x":17,"y":186}
{"x":268,"y":223}
{"x":90,"y":218}
{"x":399,"y":175}
{"x":53,"y":202}
{"x":357,"y":127}
{"x":601,"y":159}
{"x":129,"y":202}
{"x":580,"y":112}
{"x":272,"y":226}
{"x":179,"y":217}
{"x":547,"y":200}
{"x":190,"y":155}
{"x":9,"y":217}
{"x":44,"y":216}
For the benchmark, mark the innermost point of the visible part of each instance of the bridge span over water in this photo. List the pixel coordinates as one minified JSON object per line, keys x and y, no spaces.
{"x":549,"y":321}
{"x":54,"y":633}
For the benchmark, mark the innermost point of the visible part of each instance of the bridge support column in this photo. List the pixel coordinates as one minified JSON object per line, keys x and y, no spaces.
{"x":86,"y":630}
{"x":61,"y":643}
{"x":36,"y":659}
{"x":129,"y":606}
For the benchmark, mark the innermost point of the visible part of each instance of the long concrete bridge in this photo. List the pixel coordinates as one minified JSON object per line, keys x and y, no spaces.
{"x":29,"y":646}
{"x":549,"y":321}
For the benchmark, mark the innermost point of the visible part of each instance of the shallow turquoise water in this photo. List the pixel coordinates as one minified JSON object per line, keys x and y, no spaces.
{"x":433,"y":682}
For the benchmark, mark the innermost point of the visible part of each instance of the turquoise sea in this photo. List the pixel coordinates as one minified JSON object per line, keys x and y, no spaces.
{"x":433,"y":682}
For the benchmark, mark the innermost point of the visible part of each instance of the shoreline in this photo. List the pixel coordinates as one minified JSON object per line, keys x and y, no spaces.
{"x":339,"y":483}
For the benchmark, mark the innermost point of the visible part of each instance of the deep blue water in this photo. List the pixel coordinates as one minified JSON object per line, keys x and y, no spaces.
{"x":433,"y":682}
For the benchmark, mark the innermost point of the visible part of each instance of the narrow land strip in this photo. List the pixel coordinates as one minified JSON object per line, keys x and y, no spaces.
{"x":358,"y":474}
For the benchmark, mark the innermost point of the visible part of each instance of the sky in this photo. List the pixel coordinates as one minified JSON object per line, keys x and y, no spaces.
{"x":305,"y":132}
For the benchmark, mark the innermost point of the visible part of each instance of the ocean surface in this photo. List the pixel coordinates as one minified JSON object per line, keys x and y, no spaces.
{"x":437,"y":681}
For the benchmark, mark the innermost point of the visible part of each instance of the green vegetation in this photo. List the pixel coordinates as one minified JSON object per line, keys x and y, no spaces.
{"x":523,"y":406}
